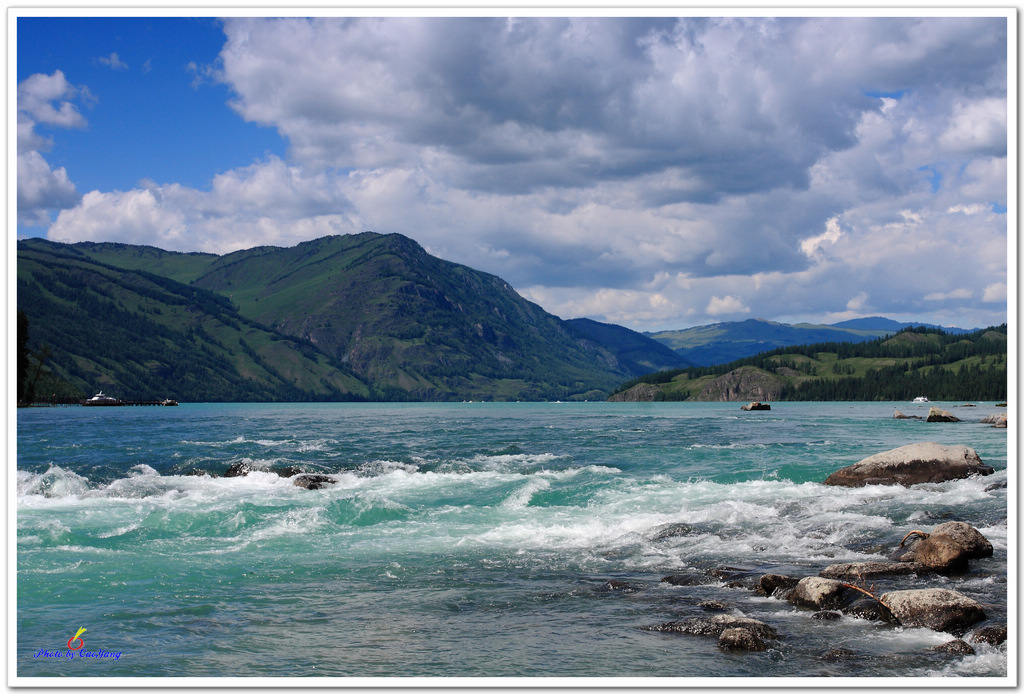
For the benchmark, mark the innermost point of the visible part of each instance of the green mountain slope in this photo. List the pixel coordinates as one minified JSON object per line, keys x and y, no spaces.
{"x":915,"y":361}
{"x":139,"y":335}
{"x":413,"y":325}
{"x":366,"y":315}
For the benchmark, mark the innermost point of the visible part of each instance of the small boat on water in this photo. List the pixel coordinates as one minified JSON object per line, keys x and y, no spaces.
{"x":921,"y":398}
{"x":100,"y":399}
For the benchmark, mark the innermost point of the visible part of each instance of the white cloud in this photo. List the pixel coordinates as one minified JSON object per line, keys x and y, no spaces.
{"x":858,"y":303}
{"x":995,"y":293}
{"x":595,"y":162}
{"x":47,"y":100}
{"x":719,"y":306}
{"x":831,"y":235}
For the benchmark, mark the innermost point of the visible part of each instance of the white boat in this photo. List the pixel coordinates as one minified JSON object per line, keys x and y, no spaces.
{"x":921,"y":398}
{"x":101,"y":399}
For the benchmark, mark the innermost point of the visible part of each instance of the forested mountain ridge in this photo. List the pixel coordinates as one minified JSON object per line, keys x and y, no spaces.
{"x":914,"y":362}
{"x":721,"y":343}
{"x":344,"y":317}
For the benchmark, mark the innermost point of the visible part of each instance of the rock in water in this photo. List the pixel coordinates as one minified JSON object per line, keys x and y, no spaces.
{"x":937,"y":415}
{"x":975,"y":545}
{"x":914,"y":464}
{"x":239,"y":469}
{"x":740,"y":639}
{"x":935,"y":608}
{"x":869,"y":570}
{"x":955,"y":647}
{"x":309,"y":481}
{"x":993,"y":635}
{"x":755,"y":406}
{"x":819,"y":593}
{"x":941,"y":554}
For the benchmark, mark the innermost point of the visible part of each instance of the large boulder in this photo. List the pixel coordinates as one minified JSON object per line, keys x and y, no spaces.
{"x":819,"y":593}
{"x":935,"y":608}
{"x":941,"y":554}
{"x":914,"y":464}
{"x":937,"y":415}
{"x":976,"y":545}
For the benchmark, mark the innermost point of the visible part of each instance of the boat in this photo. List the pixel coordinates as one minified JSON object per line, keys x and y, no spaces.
{"x":921,"y":398}
{"x":100,"y":399}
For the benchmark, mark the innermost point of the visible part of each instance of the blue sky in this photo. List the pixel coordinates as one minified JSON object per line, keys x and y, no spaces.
{"x":655,"y":172}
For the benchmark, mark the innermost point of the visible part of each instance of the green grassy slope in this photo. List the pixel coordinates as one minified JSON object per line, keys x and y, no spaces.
{"x":139,"y":335}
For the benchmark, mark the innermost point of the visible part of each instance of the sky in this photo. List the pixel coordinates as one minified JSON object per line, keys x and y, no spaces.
{"x":654,"y":172}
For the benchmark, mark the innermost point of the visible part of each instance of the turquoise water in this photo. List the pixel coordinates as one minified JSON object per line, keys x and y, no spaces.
{"x":470,"y":539}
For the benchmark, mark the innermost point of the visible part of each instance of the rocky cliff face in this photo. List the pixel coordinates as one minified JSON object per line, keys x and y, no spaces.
{"x":745,"y":383}
{"x":642,"y":392}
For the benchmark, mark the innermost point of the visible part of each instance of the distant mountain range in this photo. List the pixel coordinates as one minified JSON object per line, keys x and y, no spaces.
{"x":356,"y":317}
{"x":722,"y":343}
{"x":364,"y":316}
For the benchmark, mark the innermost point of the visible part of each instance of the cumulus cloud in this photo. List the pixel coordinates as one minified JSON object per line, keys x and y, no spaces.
{"x":46,"y":100}
{"x":649,"y":171}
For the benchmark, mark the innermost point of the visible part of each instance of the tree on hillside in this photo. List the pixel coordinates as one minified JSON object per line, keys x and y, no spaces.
{"x":34,"y":362}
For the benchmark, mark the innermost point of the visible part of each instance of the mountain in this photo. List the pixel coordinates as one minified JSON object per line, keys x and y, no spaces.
{"x":888,"y":326}
{"x":915,"y":361}
{"x":142,"y":336}
{"x":343,"y":317}
{"x":721,"y":343}
{"x":635,"y":351}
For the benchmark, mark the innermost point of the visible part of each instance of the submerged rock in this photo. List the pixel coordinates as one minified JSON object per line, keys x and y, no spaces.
{"x":239,"y":469}
{"x":670,"y":530}
{"x":899,"y":415}
{"x":993,"y":635}
{"x":914,"y":464}
{"x":715,"y":625}
{"x":685,"y":579}
{"x":310,"y":481}
{"x":616,"y":585}
{"x":955,"y":647}
{"x":935,"y":608}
